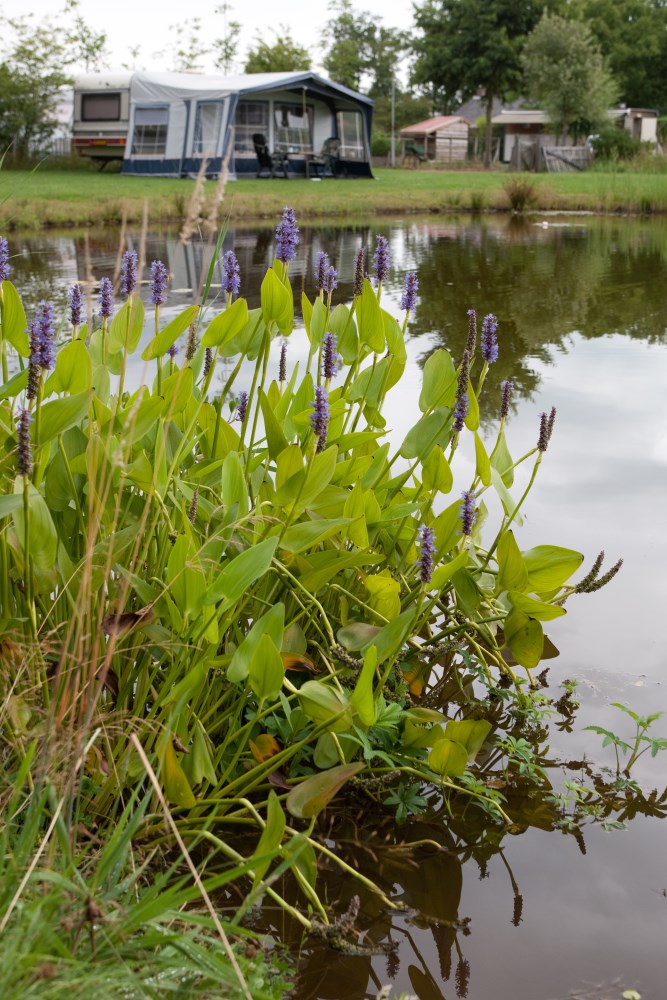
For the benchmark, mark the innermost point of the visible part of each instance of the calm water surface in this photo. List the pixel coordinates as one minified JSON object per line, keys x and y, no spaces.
{"x":583,"y":326}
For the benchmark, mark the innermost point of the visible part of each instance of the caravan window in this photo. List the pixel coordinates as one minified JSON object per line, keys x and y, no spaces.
{"x":100,"y":107}
{"x":251,"y":117}
{"x":351,"y":132}
{"x":293,"y":127}
{"x":208,"y":119}
{"x":150,"y":131}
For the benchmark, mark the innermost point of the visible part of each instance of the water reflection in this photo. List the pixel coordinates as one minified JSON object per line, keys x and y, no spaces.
{"x":543,"y":281}
{"x":489,"y":899}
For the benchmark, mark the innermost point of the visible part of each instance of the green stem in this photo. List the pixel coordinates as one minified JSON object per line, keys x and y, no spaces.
{"x":27,"y":568}
{"x":253,"y":400}
{"x":505,"y":525}
{"x":123,"y":363}
{"x":3,"y":342}
{"x":221,"y":399}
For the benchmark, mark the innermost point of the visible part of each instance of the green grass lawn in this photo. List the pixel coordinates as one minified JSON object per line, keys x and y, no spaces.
{"x":81,"y":197}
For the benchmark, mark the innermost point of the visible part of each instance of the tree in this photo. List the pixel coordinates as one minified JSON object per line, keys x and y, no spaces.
{"x":225,"y":48}
{"x":466,"y":45}
{"x":87,"y":47}
{"x":632,"y":35}
{"x":363,"y":53}
{"x":349,"y":55}
{"x":283,"y":56}
{"x":189,"y":51}
{"x":565,"y":74}
{"x":33,"y":73}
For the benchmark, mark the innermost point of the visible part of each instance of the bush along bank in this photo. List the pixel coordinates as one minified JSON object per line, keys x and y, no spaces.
{"x":235,"y":617}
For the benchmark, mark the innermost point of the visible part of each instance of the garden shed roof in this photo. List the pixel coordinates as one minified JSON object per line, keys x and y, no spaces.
{"x":430,"y":125}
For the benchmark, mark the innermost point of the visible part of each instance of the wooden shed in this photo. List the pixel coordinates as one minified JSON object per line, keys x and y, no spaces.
{"x":443,"y":139}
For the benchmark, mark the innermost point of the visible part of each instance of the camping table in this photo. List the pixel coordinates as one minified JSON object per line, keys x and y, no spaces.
{"x":286,"y":153}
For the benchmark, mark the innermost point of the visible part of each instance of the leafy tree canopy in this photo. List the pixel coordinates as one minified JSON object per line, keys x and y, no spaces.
{"x":565,"y":74}
{"x":632,"y":35}
{"x":467,"y":45}
{"x":362,"y":53}
{"x":281,"y":57}
{"x":36,"y":63}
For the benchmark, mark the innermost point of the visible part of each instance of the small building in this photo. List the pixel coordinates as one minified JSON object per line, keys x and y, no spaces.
{"x":641,"y":123}
{"x":524,"y":129}
{"x":166,"y":124}
{"x":526,"y":132}
{"x":442,"y":139}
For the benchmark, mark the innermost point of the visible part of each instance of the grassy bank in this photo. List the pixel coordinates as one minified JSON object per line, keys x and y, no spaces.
{"x":32,"y":200}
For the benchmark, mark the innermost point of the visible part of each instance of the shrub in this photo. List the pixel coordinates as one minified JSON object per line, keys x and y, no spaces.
{"x":380,"y":144}
{"x":612,"y":143}
{"x":520,"y":192}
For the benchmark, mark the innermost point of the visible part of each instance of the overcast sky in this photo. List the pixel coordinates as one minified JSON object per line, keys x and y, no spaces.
{"x":129,"y":23}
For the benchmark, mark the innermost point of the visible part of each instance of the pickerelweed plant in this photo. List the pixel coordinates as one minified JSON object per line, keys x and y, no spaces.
{"x":270,"y":605}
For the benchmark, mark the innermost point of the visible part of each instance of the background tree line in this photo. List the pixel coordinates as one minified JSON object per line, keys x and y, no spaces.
{"x":572,"y":57}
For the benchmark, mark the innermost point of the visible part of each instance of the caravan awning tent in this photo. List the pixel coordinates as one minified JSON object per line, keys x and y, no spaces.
{"x":178,"y":119}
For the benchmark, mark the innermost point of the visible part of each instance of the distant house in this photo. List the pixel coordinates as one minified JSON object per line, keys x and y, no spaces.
{"x":443,"y":139}
{"x":641,"y":123}
{"x":523,"y":127}
{"x":475,"y":108}
{"x":527,"y":130}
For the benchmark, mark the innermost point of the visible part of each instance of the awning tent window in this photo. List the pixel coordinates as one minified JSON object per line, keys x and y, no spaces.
{"x":293,"y":124}
{"x":150,"y":131}
{"x":100,"y":107}
{"x":208,"y":119}
{"x":251,"y":117}
{"x":351,"y":132}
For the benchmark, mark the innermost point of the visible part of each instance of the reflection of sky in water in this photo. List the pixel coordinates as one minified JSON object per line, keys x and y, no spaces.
{"x":583,"y":316}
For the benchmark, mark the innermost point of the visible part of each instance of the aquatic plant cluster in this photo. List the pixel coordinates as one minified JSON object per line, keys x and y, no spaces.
{"x":233,"y":605}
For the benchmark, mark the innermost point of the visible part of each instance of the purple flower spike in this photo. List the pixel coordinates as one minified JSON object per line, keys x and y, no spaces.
{"x":232,"y":279}
{"x":381,"y":259}
{"x":106,"y":298}
{"x":461,"y":412}
{"x":359,"y":272}
{"x":410,"y":287}
{"x":551,"y":421}
{"x":464,"y":375}
{"x":159,"y":276}
{"x":471,"y":340}
{"x":242,"y":406}
{"x":172,"y":351}
{"x":319,"y":418}
{"x":24,"y":449}
{"x":330,"y":280}
{"x":75,"y":299}
{"x":287,"y":236}
{"x":467,"y":512}
{"x":427,"y":551}
{"x":489,"y":342}
{"x":4,"y":259}
{"x":128,"y":273}
{"x":329,"y":355}
{"x":543,"y":439}
{"x":42,"y":337}
{"x":282,"y":367}
{"x":506,"y":388}
{"x":321,"y":269}
{"x":546,"y":429}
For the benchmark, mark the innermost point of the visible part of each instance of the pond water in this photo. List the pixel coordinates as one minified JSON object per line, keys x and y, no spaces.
{"x":582,"y":305}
